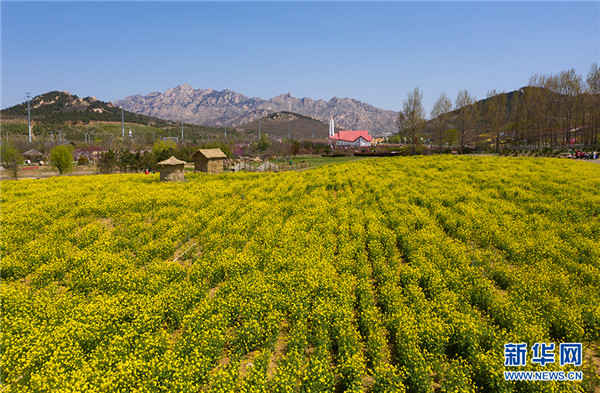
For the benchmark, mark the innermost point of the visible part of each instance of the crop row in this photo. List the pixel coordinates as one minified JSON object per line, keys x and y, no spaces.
{"x":379,"y":275}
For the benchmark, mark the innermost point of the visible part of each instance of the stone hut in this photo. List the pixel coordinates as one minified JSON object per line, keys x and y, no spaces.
{"x":171,"y":169}
{"x":209,"y":160}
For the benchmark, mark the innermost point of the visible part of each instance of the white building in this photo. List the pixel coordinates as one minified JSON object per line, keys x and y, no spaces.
{"x":348,"y":138}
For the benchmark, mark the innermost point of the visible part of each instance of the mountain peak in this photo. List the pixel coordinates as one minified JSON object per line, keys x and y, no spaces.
{"x":179,"y":88}
{"x":229,"y":108}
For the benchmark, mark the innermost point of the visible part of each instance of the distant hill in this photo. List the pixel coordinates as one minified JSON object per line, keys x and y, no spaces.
{"x":509,"y":98}
{"x":228,"y":108}
{"x":299,"y":126}
{"x":61,"y":106}
{"x":532,"y":114}
{"x":75,"y":116}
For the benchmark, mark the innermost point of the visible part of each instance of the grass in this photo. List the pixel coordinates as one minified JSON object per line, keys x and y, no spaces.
{"x":115,"y":128}
{"x":317,"y":161}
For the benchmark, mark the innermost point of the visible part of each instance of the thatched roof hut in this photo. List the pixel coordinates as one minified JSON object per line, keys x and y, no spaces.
{"x":32,"y":154}
{"x":171,"y":169}
{"x":209,"y":160}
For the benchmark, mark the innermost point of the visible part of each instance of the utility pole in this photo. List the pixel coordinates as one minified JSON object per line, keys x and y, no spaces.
{"x":289,"y":132}
{"x":259,"y":128}
{"x":181,"y":129}
{"x":225,"y":132}
{"x":122,"y":123}
{"x":29,"y":116}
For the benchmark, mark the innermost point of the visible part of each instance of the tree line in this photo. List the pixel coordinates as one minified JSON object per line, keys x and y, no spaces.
{"x":125,"y":161}
{"x":552,"y":111}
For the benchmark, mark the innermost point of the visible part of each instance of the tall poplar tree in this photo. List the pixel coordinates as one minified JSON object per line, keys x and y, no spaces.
{"x":441,"y":107}
{"x":412,"y":116}
{"x":593,"y":101}
{"x":494,"y":112}
{"x":464,"y":104}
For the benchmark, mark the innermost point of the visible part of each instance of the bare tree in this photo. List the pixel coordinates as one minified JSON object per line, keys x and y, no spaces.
{"x":534,"y":102}
{"x":593,"y":101}
{"x":464,"y":103}
{"x":570,"y":86}
{"x":495,"y":111}
{"x":547,"y":107}
{"x":412,"y":117}
{"x":441,"y":107}
{"x":476,"y":120}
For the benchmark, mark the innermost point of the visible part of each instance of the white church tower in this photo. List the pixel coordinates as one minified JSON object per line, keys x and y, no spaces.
{"x":331,"y":127}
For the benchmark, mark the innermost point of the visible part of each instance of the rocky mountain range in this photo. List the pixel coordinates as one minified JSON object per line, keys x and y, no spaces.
{"x":228,"y":108}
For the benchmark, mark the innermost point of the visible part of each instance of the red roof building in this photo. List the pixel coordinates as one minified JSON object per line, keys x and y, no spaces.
{"x":351,"y":138}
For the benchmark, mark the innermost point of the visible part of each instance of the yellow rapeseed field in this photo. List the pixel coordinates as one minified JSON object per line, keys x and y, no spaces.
{"x":383,"y":275}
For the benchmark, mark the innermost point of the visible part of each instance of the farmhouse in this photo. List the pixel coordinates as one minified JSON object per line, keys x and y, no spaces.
{"x":351,"y":138}
{"x":171,"y":169}
{"x":209,"y":160}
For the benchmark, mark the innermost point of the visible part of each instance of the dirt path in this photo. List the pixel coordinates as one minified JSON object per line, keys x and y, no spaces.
{"x":44,"y":172}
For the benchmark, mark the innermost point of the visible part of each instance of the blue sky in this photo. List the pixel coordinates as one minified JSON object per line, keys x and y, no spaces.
{"x":371,"y":51}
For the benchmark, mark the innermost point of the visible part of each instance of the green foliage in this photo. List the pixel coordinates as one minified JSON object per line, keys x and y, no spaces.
{"x":61,"y":159}
{"x":186,"y":152}
{"x":396,"y":138}
{"x":107,"y":162}
{"x":19,"y":128}
{"x":128,"y":162}
{"x":450,"y":136}
{"x":160,"y":146}
{"x":83,"y":160}
{"x":278,"y":114}
{"x":162,"y":150}
{"x":11,"y":159}
{"x":146,"y":161}
{"x":263,"y":143}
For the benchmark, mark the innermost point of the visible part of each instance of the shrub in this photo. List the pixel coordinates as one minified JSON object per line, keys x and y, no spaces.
{"x":61,"y":159}
{"x":107,"y":162}
{"x":82,"y":160}
{"x":11,"y":159}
